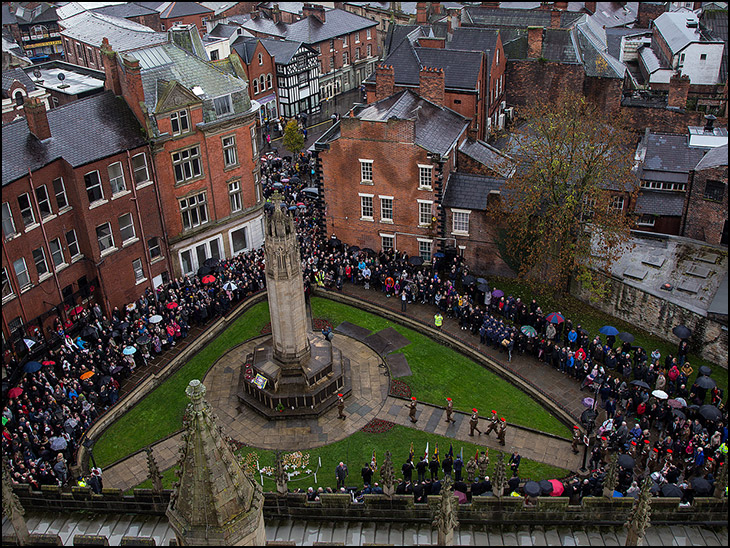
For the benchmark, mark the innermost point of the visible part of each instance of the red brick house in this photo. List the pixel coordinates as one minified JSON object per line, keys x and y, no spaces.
{"x":706,"y":210}
{"x":80,"y":213}
{"x":260,"y":69}
{"x":201,"y":124}
{"x":185,"y":13}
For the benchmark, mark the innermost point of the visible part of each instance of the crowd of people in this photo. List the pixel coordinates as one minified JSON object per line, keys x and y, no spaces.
{"x":48,"y":412}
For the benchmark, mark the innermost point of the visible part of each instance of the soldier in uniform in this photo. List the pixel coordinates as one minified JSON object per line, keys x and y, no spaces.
{"x":645,"y":450}
{"x":483,"y":463}
{"x":471,"y":469}
{"x":412,"y":412}
{"x":501,"y":430}
{"x":576,"y":439}
{"x":653,"y":464}
{"x":474,"y":422}
{"x":492,"y":422}
{"x":449,"y":410}
{"x":341,"y":407}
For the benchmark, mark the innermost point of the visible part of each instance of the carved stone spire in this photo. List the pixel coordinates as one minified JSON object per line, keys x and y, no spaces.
{"x":153,"y":472}
{"x":500,"y":477}
{"x":215,"y":503}
{"x":13,"y":509}
{"x":445,"y":519}
{"x":640,"y":515}
{"x":387,"y":474}
{"x":280,"y":475}
{"x":611,"y":479}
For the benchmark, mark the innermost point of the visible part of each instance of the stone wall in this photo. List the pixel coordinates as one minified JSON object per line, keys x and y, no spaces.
{"x":658,"y":317}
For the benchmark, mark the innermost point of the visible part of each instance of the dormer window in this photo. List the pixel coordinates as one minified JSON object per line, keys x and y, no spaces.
{"x":179,"y":122}
{"x":19,"y":98}
{"x":223,"y":105}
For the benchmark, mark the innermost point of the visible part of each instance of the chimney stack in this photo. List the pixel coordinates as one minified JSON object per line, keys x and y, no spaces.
{"x":276,"y":14}
{"x":554,"y":19}
{"x":431,"y":85}
{"x":534,"y":42}
{"x":35,"y":114}
{"x":590,"y":7}
{"x":709,"y":121}
{"x":421,"y":13}
{"x":560,"y":5}
{"x":678,"y":90}
{"x":313,"y":9}
{"x":384,"y":81}
{"x":111,"y":68}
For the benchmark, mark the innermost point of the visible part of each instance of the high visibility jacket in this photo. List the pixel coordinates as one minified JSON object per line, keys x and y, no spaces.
{"x":438,"y":319}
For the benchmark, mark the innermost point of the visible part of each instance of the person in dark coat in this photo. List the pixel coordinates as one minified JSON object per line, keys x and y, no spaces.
{"x":421,"y":468}
{"x":407,"y":470}
{"x":367,"y":474}
{"x":458,"y":467}
{"x":433,"y":466}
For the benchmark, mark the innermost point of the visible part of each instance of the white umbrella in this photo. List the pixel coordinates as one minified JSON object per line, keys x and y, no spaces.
{"x":131,"y":306}
{"x":156,"y":318}
{"x":661,"y":394}
{"x":230,"y":286}
{"x":29,"y":343}
{"x":682,"y":401}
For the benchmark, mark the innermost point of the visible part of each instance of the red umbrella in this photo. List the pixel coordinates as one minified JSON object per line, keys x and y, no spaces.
{"x":558,"y":488}
{"x":77,"y":310}
{"x":208,"y":279}
{"x":48,"y":362}
{"x":172,"y":305}
{"x":15,"y":392}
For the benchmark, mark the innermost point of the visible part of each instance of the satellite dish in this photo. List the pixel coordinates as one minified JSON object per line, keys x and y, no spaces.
{"x":37,"y":73}
{"x":61,"y":76}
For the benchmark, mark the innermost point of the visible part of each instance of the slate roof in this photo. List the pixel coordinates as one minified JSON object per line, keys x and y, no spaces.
{"x":124,"y":35}
{"x":396,"y":34}
{"x":281,"y":50}
{"x":82,"y":131}
{"x":437,"y":128}
{"x":487,"y":155}
{"x":125,"y":10}
{"x":219,"y":7}
{"x":222,"y":30}
{"x":468,"y":191}
{"x":311,"y":30}
{"x":715,"y":157}
{"x":514,"y":17}
{"x":716,"y":22}
{"x":614,"y":36}
{"x":8,"y":16}
{"x":667,"y":152}
{"x":657,"y":202}
{"x":261,"y":25}
{"x":47,"y":14}
{"x":649,"y":59}
{"x":11,"y":75}
{"x":595,"y":62}
{"x":181,"y":9}
{"x":245,"y":48}
{"x":673,"y":27}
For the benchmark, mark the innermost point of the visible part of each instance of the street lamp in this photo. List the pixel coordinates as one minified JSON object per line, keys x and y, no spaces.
{"x":88,"y":443}
{"x":588,"y":420}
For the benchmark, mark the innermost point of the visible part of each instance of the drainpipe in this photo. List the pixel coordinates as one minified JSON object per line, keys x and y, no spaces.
{"x":162,"y":214}
{"x":16,"y":287}
{"x":141,"y":225}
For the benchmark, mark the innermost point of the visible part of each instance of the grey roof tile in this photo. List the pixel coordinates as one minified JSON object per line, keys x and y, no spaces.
{"x":311,"y":30}
{"x":245,"y":47}
{"x":282,"y":50}
{"x":181,"y":9}
{"x":82,"y":131}
{"x":667,"y":152}
{"x":666,"y":203}
{"x":124,"y":35}
{"x":474,"y":39}
{"x":715,"y":157}
{"x":461,"y":68}
{"x":125,"y":10}
{"x":468,"y":191}
{"x":487,"y":155}
{"x":514,"y":17}
{"x":716,"y":22}
{"x":16,"y":74}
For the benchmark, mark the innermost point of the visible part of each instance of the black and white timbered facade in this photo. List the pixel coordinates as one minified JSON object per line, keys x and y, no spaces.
{"x":297,"y":80}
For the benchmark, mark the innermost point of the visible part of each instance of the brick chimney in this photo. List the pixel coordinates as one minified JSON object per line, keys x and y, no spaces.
{"x":431,"y":84}
{"x":554,"y":19}
{"x":313,"y":9}
{"x":534,"y":42}
{"x":421,"y":13}
{"x":590,"y":7}
{"x":436,"y":7}
{"x":111,"y":69}
{"x":276,"y":14}
{"x":384,"y":81}
{"x":132,"y":89}
{"x":35,"y":114}
{"x":560,"y":5}
{"x":678,"y":90}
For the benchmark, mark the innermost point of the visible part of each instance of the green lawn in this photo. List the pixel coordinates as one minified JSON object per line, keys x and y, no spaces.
{"x":592,"y":319}
{"x":437,"y":372}
{"x":357,"y":449}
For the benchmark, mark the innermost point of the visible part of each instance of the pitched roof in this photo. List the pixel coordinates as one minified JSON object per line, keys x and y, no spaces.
{"x":593,"y":53}
{"x":82,"y":131}
{"x":487,"y":155}
{"x":716,"y":22}
{"x":260,"y":25}
{"x":125,"y":10}
{"x":223,"y":30}
{"x":514,"y":17}
{"x":667,"y":152}
{"x":468,"y":191}
{"x":15,"y":74}
{"x":437,"y":127}
{"x":281,"y":50}
{"x":715,"y":157}
{"x":43,"y":12}
{"x":474,"y":39}
{"x":8,"y":16}
{"x":311,"y":30}
{"x":665,"y":203}
{"x":673,"y":27}
{"x":124,"y":35}
{"x":396,"y":34}
{"x":181,"y":9}
{"x":245,"y":48}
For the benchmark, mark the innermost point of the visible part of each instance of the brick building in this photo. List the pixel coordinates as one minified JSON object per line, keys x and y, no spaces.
{"x":135,"y":12}
{"x":184,"y":13}
{"x":64,"y":82}
{"x":80,"y":213}
{"x":201,"y":124}
{"x":34,"y":25}
{"x":705,"y":217}
{"x":17,"y":88}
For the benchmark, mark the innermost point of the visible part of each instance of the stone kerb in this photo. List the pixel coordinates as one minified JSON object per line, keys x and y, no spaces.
{"x":154,"y":380}
{"x":452,"y":342}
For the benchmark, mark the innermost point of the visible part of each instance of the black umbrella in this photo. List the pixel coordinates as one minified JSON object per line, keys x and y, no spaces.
{"x":415,"y":260}
{"x":143,"y":339}
{"x":115,"y":333}
{"x":483,"y":288}
{"x":481,"y":281}
{"x":334,"y":242}
{"x":204,"y":271}
{"x":642,"y":384}
{"x":626,"y":461}
{"x":277,"y":186}
{"x":311,"y":191}
{"x":124,"y":325}
{"x":88,"y":331}
{"x":353,"y":248}
{"x":671,"y":490}
{"x":710,"y":412}
{"x":678,"y":413}
{"x":704,"y":370}
{"x":626,"y":337}
{"x":545,"y":487}
{"x":468,"y":279}
{"x":701,"y":486}
{"x":682,"y":331}
{"x":705,"y":382}
{"x":532,"y":488}
{"x":211,"y":262}
{"x":368,"y":250}
{"x":104,"y":380}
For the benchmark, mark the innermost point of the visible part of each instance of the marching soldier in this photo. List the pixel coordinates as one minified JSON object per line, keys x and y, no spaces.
{"x":341,"y":407}
{"x":449,"y":410}
{"x":492,"y":422}
{"x":576,"y":439}
{"x":474,"y":422}
{"x":634,"y":449}
{"x":501,"y":430}
{"x":483,"y":463}
{"x":653,"y":464}
{"x":412,"y":412}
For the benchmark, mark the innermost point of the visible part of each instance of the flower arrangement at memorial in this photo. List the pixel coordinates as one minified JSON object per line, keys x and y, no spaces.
{"x":295,"y":464}
{"x":377,"y":426}
{"x":280,"y":407}
{"x":399,"y":388}
{"x":249,"y":463}
{"x":318,"y":325}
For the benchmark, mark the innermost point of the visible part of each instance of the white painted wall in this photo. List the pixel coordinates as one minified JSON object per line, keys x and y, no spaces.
{"x":702,"y":71}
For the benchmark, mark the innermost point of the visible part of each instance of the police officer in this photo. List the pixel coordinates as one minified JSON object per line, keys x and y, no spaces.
{"x":474,"y":422}
{"x":449,"y":410}
{"x":492,"y":422}
{"x":438,"y":320}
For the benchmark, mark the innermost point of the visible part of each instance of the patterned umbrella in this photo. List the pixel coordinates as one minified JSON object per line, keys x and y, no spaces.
{"x":156,"y":318}
{"x":209,"y":279}
{"x":529,"y":330}
{"x":555,"y":317}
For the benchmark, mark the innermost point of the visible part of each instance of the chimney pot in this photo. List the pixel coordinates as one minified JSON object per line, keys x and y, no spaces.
{"x":709,"y":121}
{"x":37,"y":118}
{"x":534,"y":42}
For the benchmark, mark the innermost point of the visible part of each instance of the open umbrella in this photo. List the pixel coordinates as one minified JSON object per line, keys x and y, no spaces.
{"x":497,"y":293}
{"x":626,"y":337}
{"x":143,"y":339}
{"x":355,"y":249}
{"x":703,"y":381}
{"x":292,"y":207}
{"x":210,"y":262}
{"x":626,"y":461}
{"x":155,"y":318}
{"x":661,"y":394}
{"x":277,"y":186}
{"x":123,"y":325}
{"x":48,"y":362}
{"x":285,"y":180}
{"x":204,"y":271}
{"x":532,"y":488}
{"x":76,"y":310}
{"x":104,"y":380}
{"x":682,"y":331}
{"x":588,"y":402}
{"x":558,"y":488}
{"x":555,"y":317}
{"x":678,"y":413}
{"x":15,"y":392}
{"x":230,"y":286}
{"x":415,"y":260}
{"x":57,"y":443}
{"x":368,"y":250}
{"x":129,"y":350}
{"x":484,"y":288}
{"x":209,"y":279}
{"x":545,"y":487}
{"x":701,"y":486}
{"x":439,"y":255}
{"x":706,"y":371}
{"x":608,"y":330}
{"x":88,"y":331}
{"x":334,"y":242}
{"x":710,"y":412}
{"x":87,"y":375}
{"x":481,"y":281}
{"x":171,"y":306}
{"x":468,"y":279}
{"x":675,"y":404}
{"x":640,"y":384}
{"x":682,"y":401}
{"x":311,"y":191}
{"x":131,"y":306}
{"x":529,"y":330}
{"x":671,"y":490}
{"x":32,"y":367}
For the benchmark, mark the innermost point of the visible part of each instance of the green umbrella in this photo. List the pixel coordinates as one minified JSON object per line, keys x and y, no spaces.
{"x":529,"y":330}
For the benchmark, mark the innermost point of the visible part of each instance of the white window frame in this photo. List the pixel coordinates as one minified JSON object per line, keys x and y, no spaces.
{"x":422,"y":177}
{"x":383,"y":238}
{"x":28,"y":209}
{"x":200,"y":201}
{"x":192,"y":249}
{"x":646,"y":219}
{"x":255,"y":83}
{"x":98,"y":184}
{"x":369,"y":34}
{"x":138,"y":169}
{"x":370,"y":50}
{"x":7,"y":213}
{"x":246,"y":233}
{"x":366,"y":166}
{"x":24,"y":272}
{"x":261,"y":59}
{"x":45,"y":200}
{"x":117,"y":178}
{"x":109,"y":248}
{"x":422,"y":252}
{"x":157,"y":246}
{"x":61,"y":193}
{"x":6,"y":283}
{"x":138,"y":270}
{"x":234,"y":196}
{"x":224,"y":104}
{"x":269,"y":81}
{"x":187,"y":157}
{"x":254,"y":144}
{"x":44,"y":261}
{"x":72,"y":244}
{"x":230,"y":157}
{"x":54,"y":254}
{"x":616,"y":200}
{"x":181,"y":118}
{"x":363,"y":206}
{"x":384,"y":210}
{"x":345,"y":58}
{"x":422,"y":212}
{"x":457,"y":225}
{"x":126,"y":227}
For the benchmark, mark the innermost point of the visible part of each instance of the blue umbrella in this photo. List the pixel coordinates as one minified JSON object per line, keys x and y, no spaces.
{"x":555,"y":317}
{"x":32,"y":367}
{"x":292,"y":207}
{"x":608,"y":330}
{"x":129,"y":350}
{"x":497,"y":293}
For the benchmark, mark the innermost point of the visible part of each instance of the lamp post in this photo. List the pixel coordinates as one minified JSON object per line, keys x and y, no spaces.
{"x":88,"y":443}
{"x":588,"y":420}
